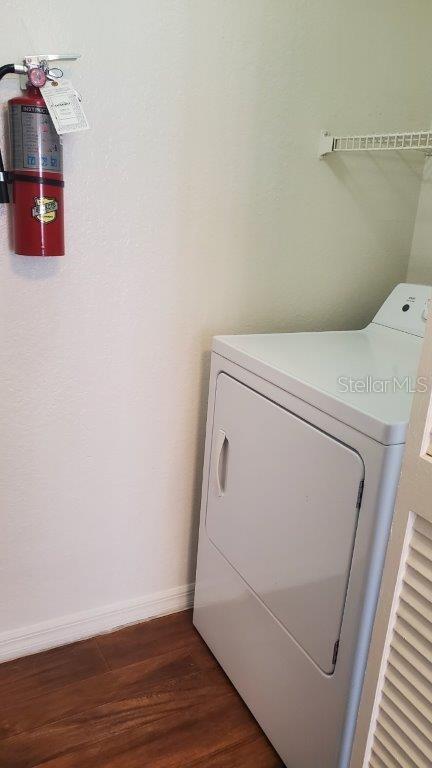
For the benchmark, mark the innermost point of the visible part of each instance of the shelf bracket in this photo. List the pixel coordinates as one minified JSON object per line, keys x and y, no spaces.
{"x":325,"y":144}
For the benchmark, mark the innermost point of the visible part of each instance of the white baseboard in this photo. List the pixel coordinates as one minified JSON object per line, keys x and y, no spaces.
{"x":69,"y":629}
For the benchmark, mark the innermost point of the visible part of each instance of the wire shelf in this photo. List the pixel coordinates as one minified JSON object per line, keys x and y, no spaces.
{"x":376,"y":142}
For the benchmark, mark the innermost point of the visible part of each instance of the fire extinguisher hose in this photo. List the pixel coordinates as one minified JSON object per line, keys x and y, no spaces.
{"x":4,"y":192}
{"x":6,"y":69}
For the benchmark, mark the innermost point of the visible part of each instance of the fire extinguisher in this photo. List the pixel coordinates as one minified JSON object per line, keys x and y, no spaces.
{"x":36,"y":173}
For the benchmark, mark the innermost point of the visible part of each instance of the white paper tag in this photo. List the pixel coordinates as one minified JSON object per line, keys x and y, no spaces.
{"x":64,"y":106}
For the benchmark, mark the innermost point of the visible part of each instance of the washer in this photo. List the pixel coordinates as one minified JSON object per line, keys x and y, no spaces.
{"x":305,"y":436}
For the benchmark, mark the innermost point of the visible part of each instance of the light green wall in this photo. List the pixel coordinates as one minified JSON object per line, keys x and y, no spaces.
{"x":420,"y":263}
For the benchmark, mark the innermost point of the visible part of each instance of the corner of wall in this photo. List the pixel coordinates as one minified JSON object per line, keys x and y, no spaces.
{"x":420,"y":259}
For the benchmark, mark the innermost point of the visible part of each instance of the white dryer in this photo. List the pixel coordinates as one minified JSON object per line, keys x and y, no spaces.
{"x":305,"y":436}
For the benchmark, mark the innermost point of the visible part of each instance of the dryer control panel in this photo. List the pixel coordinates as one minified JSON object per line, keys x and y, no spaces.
{"x":406,"y":309}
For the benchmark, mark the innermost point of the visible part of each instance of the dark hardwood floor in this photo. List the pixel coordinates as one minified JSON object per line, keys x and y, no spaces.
{"x":151,"y":695}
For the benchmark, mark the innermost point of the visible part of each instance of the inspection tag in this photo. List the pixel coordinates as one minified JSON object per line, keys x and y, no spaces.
{"x":64,"y":105}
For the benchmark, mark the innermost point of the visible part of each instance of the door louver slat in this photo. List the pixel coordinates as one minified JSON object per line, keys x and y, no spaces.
{"x":403,"y":730}
{"x":421,"y":544}
{"x":383,"y":737}
{"x":420,"y":564}
{"x":414,"y":727}
{"x":412,"y":617}
{"x":412,"y":675}
{"x":419,"y":603}
{"x":414,"y":639}
{"x":378,"y":762}
{"x":384,"y":756}
{"x":423,"y":526}
{"x":412,"y":657}
{"x":418,"y":582}
{"x":403,"y":742}
{"x":421,"y":698}
{"x":407,"y":733}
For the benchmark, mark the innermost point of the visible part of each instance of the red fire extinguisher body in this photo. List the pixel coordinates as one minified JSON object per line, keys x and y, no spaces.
{"x":37,"y":168}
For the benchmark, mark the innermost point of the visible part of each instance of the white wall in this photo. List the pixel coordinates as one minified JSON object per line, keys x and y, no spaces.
{"x":195,"y":205}
{"x":420,"y":262}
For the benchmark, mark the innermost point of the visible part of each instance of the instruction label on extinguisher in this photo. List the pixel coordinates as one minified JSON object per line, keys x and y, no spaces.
{"x":64,"y":105}
{"x":36,"y":145}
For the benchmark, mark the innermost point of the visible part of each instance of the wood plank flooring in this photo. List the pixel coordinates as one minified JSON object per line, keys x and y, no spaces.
{"x":148,"y":696}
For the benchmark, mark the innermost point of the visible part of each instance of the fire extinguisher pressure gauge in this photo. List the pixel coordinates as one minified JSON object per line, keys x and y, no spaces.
{"x":37,"y":77}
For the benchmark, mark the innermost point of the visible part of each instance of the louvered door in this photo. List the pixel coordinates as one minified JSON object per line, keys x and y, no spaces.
{"x":395,"y":719}
{"x":403,"y":732}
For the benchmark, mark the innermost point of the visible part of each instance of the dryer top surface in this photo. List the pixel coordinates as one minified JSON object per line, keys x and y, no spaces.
{"x":364,"y":378}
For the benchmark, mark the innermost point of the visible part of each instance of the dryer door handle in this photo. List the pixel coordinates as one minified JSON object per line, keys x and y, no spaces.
{"x":221,"y":455}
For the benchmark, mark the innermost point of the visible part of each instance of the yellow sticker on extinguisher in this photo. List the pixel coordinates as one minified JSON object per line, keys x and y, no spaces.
{"x":45,"y":209}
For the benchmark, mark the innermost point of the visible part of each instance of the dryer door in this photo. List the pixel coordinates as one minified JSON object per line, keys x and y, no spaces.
{"x":282,"y":508}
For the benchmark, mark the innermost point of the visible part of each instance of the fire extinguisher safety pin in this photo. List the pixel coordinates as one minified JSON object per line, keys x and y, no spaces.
{"x":54,"y":74}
